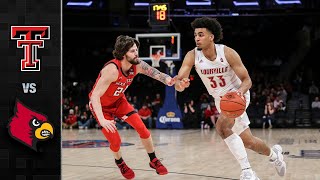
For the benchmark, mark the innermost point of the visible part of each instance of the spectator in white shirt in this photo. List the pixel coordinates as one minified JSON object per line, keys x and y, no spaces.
{"x":316,"y":103}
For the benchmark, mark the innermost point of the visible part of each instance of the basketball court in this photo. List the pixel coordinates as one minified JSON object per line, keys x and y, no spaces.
{"x":187,"y":154}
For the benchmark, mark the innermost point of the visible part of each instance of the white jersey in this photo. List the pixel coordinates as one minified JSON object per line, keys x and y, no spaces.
{"x":218,"y":77}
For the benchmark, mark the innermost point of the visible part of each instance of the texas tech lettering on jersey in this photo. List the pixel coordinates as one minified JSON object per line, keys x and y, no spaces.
{"x":30,"y":38}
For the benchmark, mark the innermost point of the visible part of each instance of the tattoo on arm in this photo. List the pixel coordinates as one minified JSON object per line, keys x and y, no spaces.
{"x":153,"y":72}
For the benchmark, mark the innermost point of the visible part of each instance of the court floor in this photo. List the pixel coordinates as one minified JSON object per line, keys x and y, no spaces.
{"x":190,"y":154}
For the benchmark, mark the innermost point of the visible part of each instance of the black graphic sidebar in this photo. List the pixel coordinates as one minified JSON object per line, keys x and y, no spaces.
{"x":30,"y":100}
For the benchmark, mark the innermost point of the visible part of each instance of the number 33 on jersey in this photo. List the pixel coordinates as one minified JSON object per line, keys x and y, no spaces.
{"x":217,"y":75}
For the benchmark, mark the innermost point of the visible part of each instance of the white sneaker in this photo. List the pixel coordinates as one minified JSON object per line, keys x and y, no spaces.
{"x":279,"y":164}
{"x":248,"y":174}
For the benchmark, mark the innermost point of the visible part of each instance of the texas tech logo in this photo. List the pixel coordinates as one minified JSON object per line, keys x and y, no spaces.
{"x":30,"y":38}
{"x":28,"y":126}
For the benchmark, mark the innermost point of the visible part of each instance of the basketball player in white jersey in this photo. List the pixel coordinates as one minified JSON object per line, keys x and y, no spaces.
{"x":221,"y":70}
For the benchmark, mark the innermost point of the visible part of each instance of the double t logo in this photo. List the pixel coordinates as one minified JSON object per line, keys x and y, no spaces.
{"x":30,"y":38}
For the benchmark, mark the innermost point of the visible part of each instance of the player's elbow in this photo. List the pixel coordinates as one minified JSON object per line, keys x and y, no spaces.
{"x":94,"y":97}
{"x":249,"y":82}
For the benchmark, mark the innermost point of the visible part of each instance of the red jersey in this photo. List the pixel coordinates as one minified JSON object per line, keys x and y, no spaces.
{"x":211,"y":112}
{"x":71,"y":119}
{"x":145,"y":112}
{"x":116,"y":89}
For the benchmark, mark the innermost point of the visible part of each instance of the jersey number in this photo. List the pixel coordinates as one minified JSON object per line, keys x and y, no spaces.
{"x":119,"y":90}
{"x":213,"y":84}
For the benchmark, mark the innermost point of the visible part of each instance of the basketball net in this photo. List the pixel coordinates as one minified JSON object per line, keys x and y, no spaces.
{"x":155,"y":59}
{"x":170,"y":65}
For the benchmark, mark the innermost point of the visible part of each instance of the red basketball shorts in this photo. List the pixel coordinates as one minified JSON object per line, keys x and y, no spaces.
{"x":122,"y":110}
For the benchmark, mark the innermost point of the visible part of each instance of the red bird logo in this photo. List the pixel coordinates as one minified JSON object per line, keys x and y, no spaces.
{"x":28,"y":126}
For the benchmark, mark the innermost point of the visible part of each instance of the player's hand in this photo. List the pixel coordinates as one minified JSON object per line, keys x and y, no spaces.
{"x":109,"y":125}
{"x":240,"y":93}
{"x":184,"y":83}
{"x":170,"y":81}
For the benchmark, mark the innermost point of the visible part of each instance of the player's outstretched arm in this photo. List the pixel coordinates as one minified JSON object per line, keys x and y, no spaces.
{"x":108,"y":75}
{"x":145,"y":68}
{"x":182,"y":80}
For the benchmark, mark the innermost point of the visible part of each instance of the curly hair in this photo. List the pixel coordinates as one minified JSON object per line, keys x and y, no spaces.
{"x":122,"y":46}
{"x":210,"y":24}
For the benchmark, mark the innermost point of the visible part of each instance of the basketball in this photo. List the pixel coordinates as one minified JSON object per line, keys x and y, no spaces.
{"x":232,"y":105}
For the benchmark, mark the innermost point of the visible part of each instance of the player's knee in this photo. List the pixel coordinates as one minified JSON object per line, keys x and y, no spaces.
{"x":224,"y":133}
{"x":113,"y":139}
{"x":115,"y":145}
{"x":143,"y":132}
{"x":219,"y":130}
{"x":139,"y":126}
{"x":223,"y":130}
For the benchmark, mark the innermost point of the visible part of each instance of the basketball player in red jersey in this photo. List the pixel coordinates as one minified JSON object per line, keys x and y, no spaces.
{"x":221,"y":70}
{"x":107,"y":100}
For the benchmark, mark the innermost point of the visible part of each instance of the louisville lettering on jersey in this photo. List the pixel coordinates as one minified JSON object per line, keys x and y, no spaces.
{"x":214,"y":71}
{"x":30,"y":38}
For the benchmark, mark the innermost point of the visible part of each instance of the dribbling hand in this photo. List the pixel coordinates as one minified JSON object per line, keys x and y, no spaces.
{"x":240,"y":93}
{"x":109,"y":125}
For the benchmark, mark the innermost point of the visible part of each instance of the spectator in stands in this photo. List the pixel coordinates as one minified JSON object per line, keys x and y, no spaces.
{"x":71,"y":103}
{"x":121,"y":124}
{"x":128,"y":97}
{"x":316,"y":103}
{"x":157,"y":100}
{"x":210,"y":116}
{"x":313,"y":89}
{"x":282,"y":93}
{"x":134,"y":107}
{"x":204,"y":104}
{"x":147,"y":101}
{"x":135,"y":102}
{"x":204,"y":96}
{"x":90,"y":116}
{"x":145,"y":114}
{"x":268,"y":114}
{"x":70,"y":121}
{"x":66,"y":107}
{"x":84,"y":121}
{"x":190,"y":115}
{"x":77,"y":112}
{"x":281,"y":107}
{"x":262,"y":99}
{"x":276,"y":102}
{"x":156,"y":104}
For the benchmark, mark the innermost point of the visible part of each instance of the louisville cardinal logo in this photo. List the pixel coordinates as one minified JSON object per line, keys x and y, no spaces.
{"x":28,"y":126}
